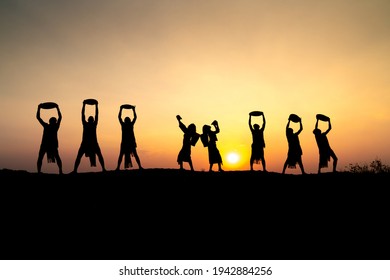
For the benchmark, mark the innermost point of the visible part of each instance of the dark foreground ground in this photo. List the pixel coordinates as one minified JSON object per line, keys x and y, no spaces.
{"x":168,"y":214}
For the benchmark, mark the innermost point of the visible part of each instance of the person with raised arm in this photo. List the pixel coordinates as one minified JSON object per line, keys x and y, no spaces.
{"x":294,"y":154}
{"x":128,"y":146}
{"x":209,"y":140}
{"x":49,"y":143}
{"x":190,"y":138}
{"x":258,"y":143}
{"x":89,"y":144}
{"x":324,"y":149}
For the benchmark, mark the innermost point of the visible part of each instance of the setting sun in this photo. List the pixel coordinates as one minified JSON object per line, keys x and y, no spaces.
{"x":233,"y":157}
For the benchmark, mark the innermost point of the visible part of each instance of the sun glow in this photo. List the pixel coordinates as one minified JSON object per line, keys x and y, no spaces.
{"x":233,"y":157}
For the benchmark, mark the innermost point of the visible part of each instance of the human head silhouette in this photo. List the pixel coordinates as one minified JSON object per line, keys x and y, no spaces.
{"x":52,"y":120}
{"x":192,"y":128}
{"x":290,"y":131}
{"x":90,"y":119}
{"x":256,"y":126}
{"x":206,"y":128}
{"x":127,"y":120}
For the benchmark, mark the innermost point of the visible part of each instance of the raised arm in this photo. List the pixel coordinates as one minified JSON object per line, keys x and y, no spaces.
{"x":59,"y":115}
{"x":96,"y":113}
{"x":316,"y":127}
{"x":288,"y":124}
{"x":120,"y":114}
{"x":181,"y":124}
{"x":216,"y":125}
{"x":263,"y":126}
{"x":300,"y":127}
{"x":83,"y":114}
{"x":39,"y":115}
{"x":250,"y":122}
{"x":134,"y":115}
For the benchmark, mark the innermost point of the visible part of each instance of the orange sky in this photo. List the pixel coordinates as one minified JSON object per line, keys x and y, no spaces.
{"x":204,"y":60}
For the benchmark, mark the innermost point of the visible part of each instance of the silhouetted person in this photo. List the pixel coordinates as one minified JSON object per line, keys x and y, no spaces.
{"x":209,"y":140}
{"x":324,"y":148}
{"x":128,"y":146}
{"x":190,"y":138}
{"x":258,"y":143}
{"x":89,"y":144}
{"x":294,"y":154}
{"x":49,"y":144}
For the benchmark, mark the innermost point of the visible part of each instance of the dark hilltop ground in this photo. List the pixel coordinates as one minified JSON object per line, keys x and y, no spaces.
{"x":173,"y":214}
{"x":177,"y":178}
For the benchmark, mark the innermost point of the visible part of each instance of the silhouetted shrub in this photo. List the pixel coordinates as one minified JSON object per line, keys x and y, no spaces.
{"x":376,"y":166}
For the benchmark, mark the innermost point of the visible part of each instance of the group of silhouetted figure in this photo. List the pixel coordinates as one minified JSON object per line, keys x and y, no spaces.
{"x":89,"y":144}
{"x":208,"y":138}
{"x":128,"y":148}
{"x":294,"y":154}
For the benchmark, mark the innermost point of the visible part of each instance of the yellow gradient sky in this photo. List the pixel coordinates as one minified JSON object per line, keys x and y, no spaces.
{"x":205,"y":60}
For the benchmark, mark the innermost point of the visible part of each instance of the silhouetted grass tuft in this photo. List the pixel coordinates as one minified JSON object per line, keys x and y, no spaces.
{"x":376,"y":167}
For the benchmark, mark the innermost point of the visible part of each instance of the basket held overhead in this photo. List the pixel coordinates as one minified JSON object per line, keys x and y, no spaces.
{"x":90,"y":101}
{"x":322,"y":117}
{"x":48,"y":105}
{"x":294,"y":118}
{"x":256,"y":113}
{"x":127,"y":106}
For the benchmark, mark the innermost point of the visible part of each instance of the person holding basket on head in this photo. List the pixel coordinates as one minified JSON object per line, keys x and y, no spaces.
{"x":258,"y":143}
{"x":49,"y":143}
{"x":325,"y":151}
{"x":128,"y":146}
{"x":89,"y":144}
{"x":294,"y":154}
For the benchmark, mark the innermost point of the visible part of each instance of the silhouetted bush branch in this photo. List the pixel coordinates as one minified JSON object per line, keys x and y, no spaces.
{"x":376,"y":166}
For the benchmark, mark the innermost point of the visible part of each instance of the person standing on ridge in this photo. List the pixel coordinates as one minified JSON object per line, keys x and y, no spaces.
{"x":325,"y":151}
{"x":209,"y":140}
{"x":49,"y":143}
{"x":190,"y":138}
{"x":258,"y":143}
{"x":294,"y":155}
{"x":89,"y":145}
{"x":128,"y":146}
